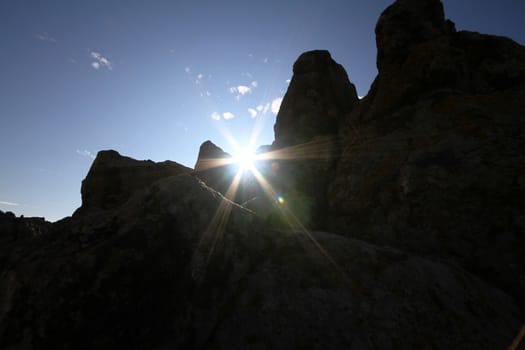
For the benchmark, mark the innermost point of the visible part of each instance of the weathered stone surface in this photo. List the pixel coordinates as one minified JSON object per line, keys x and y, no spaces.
{"x":406,"y":24}
{"x":432,"y":159}
{"x":14,"y":228}
{"x":318,"y":99}
{"x":113,"y":178}
{"x":182,"y":267}
{"x":422,"y":182}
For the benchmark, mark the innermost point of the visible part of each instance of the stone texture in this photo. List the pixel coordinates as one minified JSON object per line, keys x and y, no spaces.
{"x":421,"y":184}
{"x":183,"y":267}
{"x":113,"y":178}
{"x":432,"y":159}
{"x":406,"y":24}
{"x":14,"y":228}
{"x":318,"y":98}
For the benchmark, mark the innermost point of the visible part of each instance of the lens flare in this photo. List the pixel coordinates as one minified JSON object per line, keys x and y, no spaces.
{"x":245,"y":159}
{"x":280,"y":199}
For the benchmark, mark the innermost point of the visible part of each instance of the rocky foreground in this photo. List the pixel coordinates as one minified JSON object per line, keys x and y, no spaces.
{"x":403,"y":225}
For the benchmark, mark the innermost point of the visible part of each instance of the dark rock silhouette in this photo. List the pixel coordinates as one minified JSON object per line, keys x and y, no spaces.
{"x":113,"y":178}
{"x":318,"y":99}
{"x":400,"y":226}
{"x":14,"y":228}
{"x":432,"y":158}
{"x":172,"y":274}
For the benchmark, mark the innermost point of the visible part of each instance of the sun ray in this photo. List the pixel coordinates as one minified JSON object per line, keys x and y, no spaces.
{"x":294,"y":222}
{"x":215,"y":229}
{"x":323,"y":148}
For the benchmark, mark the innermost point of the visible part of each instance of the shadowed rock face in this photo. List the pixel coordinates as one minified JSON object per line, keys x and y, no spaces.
{"x":421,"y":182}
{"x":172,"y":274}
{"x":112,"y":178}
{"x":318,"y":99}
{"x":432,"y":159}
{"x":405,"y":24}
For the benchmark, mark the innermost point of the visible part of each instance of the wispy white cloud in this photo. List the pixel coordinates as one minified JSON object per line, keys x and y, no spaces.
{"x":45,"y":37}
{"x":254,"y":83}
{"x":100,"y":61}
{"x":253,"y":112}
{"x":11,"y":204}
{"x":264,"y":108}
{"x":288,"y":81}
{"x":86,"y":153}
{"x":215,"y":116}
{"x":276,"y":104}
{"x":187,"y":70}
{"x":265,"y":60}
{"x":228,"y":115}
{"x":200,"y":76}
{"x":242,"y":89}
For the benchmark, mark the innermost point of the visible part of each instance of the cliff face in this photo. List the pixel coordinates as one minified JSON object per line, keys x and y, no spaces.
{"x":432,"y":159}
{"x":180,"y":266}
{"x":317,"y":101}
{"x":113,"y":178}
{"x":399,"y":223}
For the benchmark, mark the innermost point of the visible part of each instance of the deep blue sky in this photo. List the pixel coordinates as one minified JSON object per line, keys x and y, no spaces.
{"x":147,"y":78}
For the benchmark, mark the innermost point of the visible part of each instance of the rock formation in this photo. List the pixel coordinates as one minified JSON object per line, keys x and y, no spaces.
{"x":14,"y":228}
{"x":318,"y":99}
{"x":173,"y":273}
{"x":113,"y":178}
{"x":432,"y":159}
{"x":402,"y":226}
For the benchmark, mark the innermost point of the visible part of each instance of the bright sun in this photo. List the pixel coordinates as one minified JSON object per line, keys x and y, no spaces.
{"x":245,"y":159}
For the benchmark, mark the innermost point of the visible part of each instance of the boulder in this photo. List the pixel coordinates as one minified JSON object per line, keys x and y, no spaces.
{"x":113,"y":178}
{"x":432,"y":159}
{"x":318,"y":99}
{"x":183,"y":267}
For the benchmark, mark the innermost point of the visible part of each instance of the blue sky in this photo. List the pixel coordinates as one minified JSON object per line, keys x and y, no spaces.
{"x":154,"y":79}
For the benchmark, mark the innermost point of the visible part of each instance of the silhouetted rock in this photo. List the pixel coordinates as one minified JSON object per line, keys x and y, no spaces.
{"x":318,"y":98}
{"x":112,"y":178}
{"x":421,"y":182}
{"x":186,"y":268}
{"x":14,"y":228}
{"x":432,"y":159}
{"x":406,"y":24}
{"x":215,"y":167}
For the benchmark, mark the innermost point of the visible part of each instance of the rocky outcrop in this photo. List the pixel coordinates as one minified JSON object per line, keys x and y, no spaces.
{"x":432,"y":159}
{"x":113,"y":178}
{"x":317,"y":101}
{"x":185,"y":268}
{"x":14,"y":228}
{"x":406,"y":24}
{"x":420,"y":184}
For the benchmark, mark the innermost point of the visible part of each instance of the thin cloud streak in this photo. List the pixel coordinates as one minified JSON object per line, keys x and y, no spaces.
{"x":45,"y":37}
{"x":100,"y":61}
{"x":86,"y":153}
{"x":11,"y":204}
